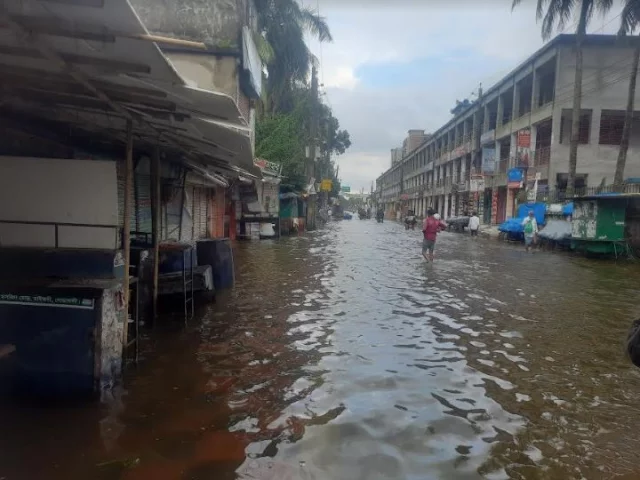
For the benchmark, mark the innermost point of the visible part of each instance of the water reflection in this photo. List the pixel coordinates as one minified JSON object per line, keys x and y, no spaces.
{"x":342,"y":355}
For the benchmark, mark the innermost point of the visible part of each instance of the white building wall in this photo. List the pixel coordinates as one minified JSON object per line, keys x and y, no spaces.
{"x":605,"y":85}
{"x":58,"y":191}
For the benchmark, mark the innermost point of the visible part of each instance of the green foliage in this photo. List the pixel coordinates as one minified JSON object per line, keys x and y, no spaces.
{"x":281,"y":138}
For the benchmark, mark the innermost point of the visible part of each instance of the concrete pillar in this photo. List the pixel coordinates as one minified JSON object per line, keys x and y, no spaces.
{"x":534,"y":136}
{"x":513,"y":150}
{"x":445,"y":205}
{"x":485,"y":120}
{"x":500,"y":111}
{"x":535,"y":90}
{"x":556,"y":121}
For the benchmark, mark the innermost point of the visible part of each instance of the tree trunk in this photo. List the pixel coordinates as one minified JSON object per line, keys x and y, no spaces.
{"x":628,"y":120}
{"x":575,"y":116}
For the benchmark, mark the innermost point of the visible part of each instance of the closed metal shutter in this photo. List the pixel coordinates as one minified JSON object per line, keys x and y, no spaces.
{"x":216,"y":212}
{"x":200,"y":198}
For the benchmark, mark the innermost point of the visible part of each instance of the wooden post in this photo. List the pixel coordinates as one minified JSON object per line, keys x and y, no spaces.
{"x":126,"y":236}
{"x":155,"y":228}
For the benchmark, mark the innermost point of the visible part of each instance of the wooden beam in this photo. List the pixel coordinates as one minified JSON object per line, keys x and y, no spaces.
{"x":126,"y":236}
{"x":155,"y":228}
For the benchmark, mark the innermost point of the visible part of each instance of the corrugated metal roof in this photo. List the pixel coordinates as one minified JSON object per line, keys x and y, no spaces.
{"x":91,"y":65}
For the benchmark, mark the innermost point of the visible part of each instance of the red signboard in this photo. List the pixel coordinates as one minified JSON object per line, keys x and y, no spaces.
{"x":524,"y":138}
{"x":494,"y":206}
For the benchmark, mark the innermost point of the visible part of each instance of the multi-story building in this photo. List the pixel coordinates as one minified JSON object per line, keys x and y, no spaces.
{"x":396,"y":155}
{"x":521,"y":126}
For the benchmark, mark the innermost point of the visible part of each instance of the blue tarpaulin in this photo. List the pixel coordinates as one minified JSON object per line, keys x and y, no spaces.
{"x":513,"y":226}
{"x":567,"y":209}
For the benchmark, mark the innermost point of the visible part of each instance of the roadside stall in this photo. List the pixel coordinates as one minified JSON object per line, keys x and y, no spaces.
{"x":606,"y":224}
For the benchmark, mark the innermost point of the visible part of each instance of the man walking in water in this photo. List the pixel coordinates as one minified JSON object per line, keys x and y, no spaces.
{"x":430,"y":228}
{"x":530,"y":227}
{"x":474,"y":224}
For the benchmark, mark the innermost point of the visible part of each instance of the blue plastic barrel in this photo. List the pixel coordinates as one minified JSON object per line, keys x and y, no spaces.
{"x":218,"y":253}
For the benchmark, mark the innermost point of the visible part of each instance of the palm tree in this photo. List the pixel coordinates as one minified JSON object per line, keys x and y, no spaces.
{"x":557,"y":14}
{"x":630,"y":17}
{"x":283,"y":24}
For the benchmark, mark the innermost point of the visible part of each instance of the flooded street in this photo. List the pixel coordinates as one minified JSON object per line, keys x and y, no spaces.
{"x":342,"y":355}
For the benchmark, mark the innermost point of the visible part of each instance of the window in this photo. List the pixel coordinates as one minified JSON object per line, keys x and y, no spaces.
{"x":583,"y":132}
{"x":611,"y":125}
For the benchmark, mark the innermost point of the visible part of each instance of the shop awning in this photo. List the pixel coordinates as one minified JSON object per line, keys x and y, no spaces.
{"x":91,"y":66}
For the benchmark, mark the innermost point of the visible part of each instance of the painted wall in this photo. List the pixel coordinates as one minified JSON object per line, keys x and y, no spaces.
{"x":605,"y":85}
{"x":58,"y":191}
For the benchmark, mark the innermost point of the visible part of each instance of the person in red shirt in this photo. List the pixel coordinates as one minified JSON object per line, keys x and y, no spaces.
{"x":430,"y":228}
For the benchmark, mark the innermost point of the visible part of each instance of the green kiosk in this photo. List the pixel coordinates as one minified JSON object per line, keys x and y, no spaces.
{"x":598,"y":224}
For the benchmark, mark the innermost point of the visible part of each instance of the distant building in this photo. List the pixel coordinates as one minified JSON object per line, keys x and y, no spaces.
{"x":396,"y":155}
{"x":522,"y":122}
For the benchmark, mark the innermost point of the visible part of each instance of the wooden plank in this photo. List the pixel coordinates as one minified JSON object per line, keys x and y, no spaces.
{"x":128,"y":180}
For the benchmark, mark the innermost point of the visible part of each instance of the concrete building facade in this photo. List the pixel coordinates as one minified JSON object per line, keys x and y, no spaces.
{"x":522,"y":122}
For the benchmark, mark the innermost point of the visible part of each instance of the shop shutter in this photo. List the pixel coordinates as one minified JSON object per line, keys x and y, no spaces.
{"x":200,"y":197}
{"x":216,"y":213}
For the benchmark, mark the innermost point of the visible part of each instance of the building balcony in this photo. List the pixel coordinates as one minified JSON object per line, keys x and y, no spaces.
{"x":461,"y":150}
{"x":488,"y":137}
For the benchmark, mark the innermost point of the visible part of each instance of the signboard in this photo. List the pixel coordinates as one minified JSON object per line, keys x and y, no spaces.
{"x":459,"y":151}
{"x":251,"y":63}
{"x":345,"y":189}
{"x":494,"y":206}
{"x":523,"y":148}
{"x":268,"y":167}
{"x":326,"y":185}
{"x":46,"y":301}
{"x":488,"y":137}
{"x":476,"y":184}
{"x":515,"y":176}
{"x":524,"y":138}
{"x":488,"y":160}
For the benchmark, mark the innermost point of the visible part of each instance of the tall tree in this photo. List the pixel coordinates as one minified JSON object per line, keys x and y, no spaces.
{"x":556,"y":14}
{"x":282,"y":25}
{"x":630,"y":17}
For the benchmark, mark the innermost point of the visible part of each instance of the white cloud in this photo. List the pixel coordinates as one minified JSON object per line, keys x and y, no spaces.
{"x":390,"y":34}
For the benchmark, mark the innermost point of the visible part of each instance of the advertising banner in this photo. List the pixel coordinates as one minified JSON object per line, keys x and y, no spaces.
{"x":488,"y":160}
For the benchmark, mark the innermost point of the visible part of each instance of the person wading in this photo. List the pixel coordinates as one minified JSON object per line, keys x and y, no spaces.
{"x":530,"y":230}
{"x":430,"y":228}
{"x":474,"y":224}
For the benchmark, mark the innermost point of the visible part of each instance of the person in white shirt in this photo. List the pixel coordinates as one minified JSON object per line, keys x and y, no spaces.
{"x":474,"y":224}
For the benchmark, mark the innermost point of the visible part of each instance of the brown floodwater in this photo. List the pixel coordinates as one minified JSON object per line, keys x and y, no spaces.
{"x":342,"y":355}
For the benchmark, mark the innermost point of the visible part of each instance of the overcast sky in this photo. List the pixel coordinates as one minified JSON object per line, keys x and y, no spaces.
{"x":400,"y":65}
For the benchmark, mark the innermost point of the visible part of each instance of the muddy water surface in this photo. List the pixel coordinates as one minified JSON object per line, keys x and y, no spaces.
{"x":343,"y":356}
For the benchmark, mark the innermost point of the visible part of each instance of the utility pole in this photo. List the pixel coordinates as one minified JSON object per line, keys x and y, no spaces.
{"x":477,"y":147}
{"x":313,"y":139}
{"x":313,"y":126}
